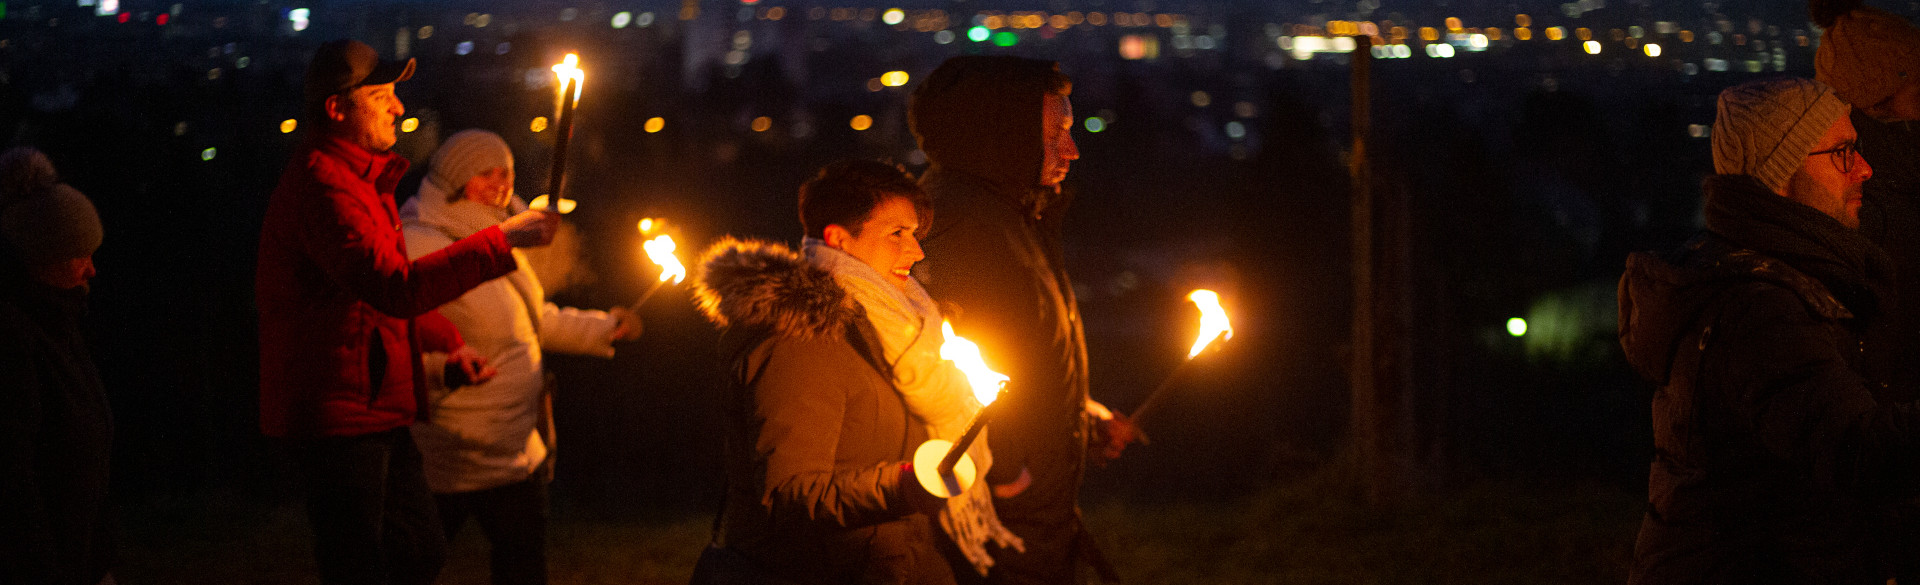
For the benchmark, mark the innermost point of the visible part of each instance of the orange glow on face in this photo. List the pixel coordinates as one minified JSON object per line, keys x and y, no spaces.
{"x":965,"y":355}
{"x":660,"y":251}
{"x":1213,"y":321}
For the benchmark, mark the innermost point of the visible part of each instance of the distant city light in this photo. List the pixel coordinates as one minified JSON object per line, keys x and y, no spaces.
{"x":762,"y":124}
{"x":1516,"y":327}
{"x":943,"y":37}
{"x":1095,"y":124}
{"x":656,"y":124}
{"x":206,"y":155}
{"x":426,"y":32}
{"x":1592,"y":47}
{"x":1200,"y":99}
{"x":894,"y":78}
{"x":1236,"y":130}
{"x":894,"y":16}
{"x":539,"y":124}
{"x":644,"y":20}
{"x":463,"y":48}
{"x":861,"y":122}
{"x":1652,"y":49}
{"x":978,"y":34}
{"x":1006,"y":38}
{"x":299,"y":17}
{"x":107,"y":8}
{"x":622,"y":19}
{"x":409,"y":124}
{"x":1477,"y":41}
{"x":287,"y":125}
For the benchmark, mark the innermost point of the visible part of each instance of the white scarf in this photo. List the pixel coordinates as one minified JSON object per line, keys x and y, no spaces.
{"x":907,"y":322}
{"x":464,"y":217}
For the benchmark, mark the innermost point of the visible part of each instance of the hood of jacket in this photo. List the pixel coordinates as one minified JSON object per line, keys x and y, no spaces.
{"x":980,"y":116}
{"x":1753,"y":235}
{"x":759,"y":285}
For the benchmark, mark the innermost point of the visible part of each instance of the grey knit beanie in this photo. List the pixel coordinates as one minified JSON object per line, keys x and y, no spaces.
{"x":465,"y":154}
{"x":57,"y":223}
{"x":1866,"y":54}
{"x":1766,"y":128}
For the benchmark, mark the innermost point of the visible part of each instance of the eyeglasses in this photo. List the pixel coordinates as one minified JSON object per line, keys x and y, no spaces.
{"x":1843,"y":155}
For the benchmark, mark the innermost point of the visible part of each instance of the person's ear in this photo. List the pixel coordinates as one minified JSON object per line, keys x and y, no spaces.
{"x":835,"y":236}
{"x":336,"y":105}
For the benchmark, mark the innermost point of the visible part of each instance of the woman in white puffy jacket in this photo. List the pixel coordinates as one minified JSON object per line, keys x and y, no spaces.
{"x":483,"y":445}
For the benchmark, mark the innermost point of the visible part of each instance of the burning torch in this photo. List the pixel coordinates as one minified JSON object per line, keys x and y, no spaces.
{"x":1213,"y":327}
{"x":660,"y":251}
{"x":571,"y":77}
{"x":944,"y":468}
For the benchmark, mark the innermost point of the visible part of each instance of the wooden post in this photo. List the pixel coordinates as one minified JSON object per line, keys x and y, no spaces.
{"x":1367,"y":436}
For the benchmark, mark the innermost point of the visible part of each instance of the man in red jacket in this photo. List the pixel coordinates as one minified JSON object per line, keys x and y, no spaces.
{"x":344,"y":316}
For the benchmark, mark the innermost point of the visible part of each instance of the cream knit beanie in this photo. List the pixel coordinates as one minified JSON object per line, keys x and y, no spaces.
{"x":1866,"y":54}
{"x":465,"y":154}
{"x":54,"y":224}
{"x":1766,"y":128}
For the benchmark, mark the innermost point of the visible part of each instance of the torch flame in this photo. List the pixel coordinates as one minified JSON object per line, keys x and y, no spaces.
{"x":660,"y":250}
{"x":966,"y":356}
{"x":1213,"y":320}
{"x":569,"y":68}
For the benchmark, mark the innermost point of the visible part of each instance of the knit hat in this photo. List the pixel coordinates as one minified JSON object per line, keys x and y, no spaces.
{"x":1766,"y":128}
{"x":465,"y":154}
{"x":57,"y":223}
{"x":1866,"y":53}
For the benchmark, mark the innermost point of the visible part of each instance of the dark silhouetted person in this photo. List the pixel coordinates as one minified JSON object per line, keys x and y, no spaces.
{"x":820,"y":437}
{"x":996,"y":131}
{"x":1771,"y":450}
{"x":56,"y":432}
{"x":486,"y":447}
{"x":344,"y":317}
{"x":1871,"y":58}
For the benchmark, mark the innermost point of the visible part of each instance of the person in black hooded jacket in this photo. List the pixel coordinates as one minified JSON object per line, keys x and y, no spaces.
{"x":1772,"y":450}
{"x":996,"y":132}
{"x":56,"y":431}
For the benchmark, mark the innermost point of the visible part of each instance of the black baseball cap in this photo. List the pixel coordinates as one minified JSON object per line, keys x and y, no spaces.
{"x":346,"y":64}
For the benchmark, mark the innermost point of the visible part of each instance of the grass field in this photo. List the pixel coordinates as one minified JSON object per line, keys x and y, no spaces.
{"x":1307,"y":532}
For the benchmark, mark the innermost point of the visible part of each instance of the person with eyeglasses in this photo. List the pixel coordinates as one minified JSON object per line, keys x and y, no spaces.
{"x":1773,"y":453}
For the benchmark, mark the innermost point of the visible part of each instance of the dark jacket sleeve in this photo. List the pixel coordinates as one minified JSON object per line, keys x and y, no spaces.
{"x":362,"y":256}
{"x":983,"y":268}
{"x":799,"y":401}
{"x":1795,"y":392}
